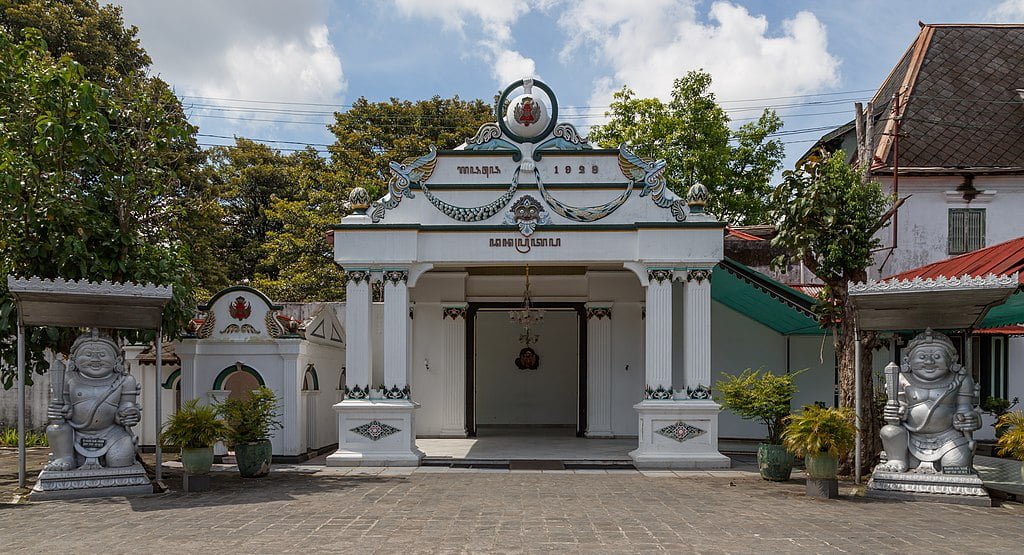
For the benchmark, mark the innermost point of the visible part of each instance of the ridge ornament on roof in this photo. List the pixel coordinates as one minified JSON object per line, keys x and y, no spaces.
{"x":526,"y":128}
{"x":937,"y":284}
{"x":85,"y":287}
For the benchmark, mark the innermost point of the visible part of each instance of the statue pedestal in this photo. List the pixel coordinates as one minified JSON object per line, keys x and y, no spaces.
{"x":961,"y":489}
{"x":678,"y":434}
{"x":822,"y":489}
{"x":376,"y":433}
{"x":93,"y":482}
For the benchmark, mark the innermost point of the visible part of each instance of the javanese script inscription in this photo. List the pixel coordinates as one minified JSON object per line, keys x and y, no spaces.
{"x":485,"y":171}
{"x":524,"y":245}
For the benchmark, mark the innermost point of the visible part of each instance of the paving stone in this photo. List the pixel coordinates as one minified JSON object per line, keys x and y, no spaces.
{"x":439,"y":511}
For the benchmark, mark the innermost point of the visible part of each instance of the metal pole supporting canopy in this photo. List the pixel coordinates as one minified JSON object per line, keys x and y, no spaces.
{"x":83,"y":304}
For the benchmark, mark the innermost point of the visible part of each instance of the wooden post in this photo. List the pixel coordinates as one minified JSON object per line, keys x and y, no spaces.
{"x":858,"y":121}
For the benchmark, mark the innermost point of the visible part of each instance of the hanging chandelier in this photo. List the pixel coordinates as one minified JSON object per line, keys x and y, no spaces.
{"x":527,"y":317}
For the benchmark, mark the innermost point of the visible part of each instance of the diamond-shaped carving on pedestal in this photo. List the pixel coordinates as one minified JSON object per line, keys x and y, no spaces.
{"x":375,"y":430}
{"x":681,"y":431}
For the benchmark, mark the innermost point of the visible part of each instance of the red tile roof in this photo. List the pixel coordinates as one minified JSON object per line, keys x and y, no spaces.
{"x":1002,"y":259}
{"x":1005,"y":330}
{"x":809,"y":289}
{"x":733,"y":232}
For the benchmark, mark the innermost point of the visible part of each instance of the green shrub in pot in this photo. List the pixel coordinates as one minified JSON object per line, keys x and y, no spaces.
{"x":821,"y":436}
{"x":1011,"y":441}
{"x":766,"y":397}
{"x":250,"y":423}
{"x":194,"y":429}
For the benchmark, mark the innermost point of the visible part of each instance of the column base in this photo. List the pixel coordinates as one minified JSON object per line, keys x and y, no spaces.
{"x":597,"y":434}
{"x":376,"y":433}
{"x":679,"y":435}
{"x":453,"y":434}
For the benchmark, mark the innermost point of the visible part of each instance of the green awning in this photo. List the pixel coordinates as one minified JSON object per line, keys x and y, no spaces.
{"x":1007,"y":314}
{"x":764,"y":300}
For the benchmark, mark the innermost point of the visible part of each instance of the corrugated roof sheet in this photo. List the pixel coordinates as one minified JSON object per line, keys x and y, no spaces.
{"x":763,"y":299}
{"x":1003,"y":259}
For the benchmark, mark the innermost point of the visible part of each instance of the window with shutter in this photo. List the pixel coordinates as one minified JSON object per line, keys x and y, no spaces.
{"x":966,"y":230}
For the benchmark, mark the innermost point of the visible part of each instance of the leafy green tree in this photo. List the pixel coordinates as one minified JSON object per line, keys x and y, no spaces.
{"x":249,"y":175}
{"x":828,"y":215}
{"x":371,"y":134}
{"x":691,"y":132}
{"x":87,"y":180}
{"x":94,"y":36}
{"x":297,"y":250}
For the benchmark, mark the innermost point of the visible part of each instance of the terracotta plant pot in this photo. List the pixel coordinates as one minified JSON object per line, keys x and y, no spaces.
{"x":197,"y":460}
{"x":774,"y":462}
{"x":253,"y":459}
{"x":821,"y":466}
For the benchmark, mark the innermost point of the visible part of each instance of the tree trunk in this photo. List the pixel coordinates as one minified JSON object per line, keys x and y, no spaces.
{"x":845,"y":357}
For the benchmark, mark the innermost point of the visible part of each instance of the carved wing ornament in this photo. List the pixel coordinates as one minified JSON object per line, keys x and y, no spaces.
{"x":411,"y":170}
{"x":652,"y":174}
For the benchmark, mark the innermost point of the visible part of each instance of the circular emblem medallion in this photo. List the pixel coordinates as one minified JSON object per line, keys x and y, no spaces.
{"x":527,"y":116}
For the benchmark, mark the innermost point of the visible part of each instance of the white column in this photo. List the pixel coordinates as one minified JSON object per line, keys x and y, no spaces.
{"x":454,"y":322}
{"x":396,"y":328}
{"x":599,"y":369}
{"x":658,"y":339}
{"x":697,"y":332}
{"x":358,"y":343}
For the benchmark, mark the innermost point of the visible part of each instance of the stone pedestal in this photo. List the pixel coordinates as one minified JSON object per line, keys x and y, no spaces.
{"x":376,"y":433}
{"x":195,"y":482}
{"x":822,"y":489}
{"x":962,"y":489}
{"x":92,"y":482}
{"x":678,"y":434}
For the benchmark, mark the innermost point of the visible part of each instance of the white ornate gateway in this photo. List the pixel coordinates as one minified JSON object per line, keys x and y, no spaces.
{"x":609,"y":247}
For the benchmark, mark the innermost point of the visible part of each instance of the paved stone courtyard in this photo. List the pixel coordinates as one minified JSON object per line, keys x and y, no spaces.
{"x":452,"y":510}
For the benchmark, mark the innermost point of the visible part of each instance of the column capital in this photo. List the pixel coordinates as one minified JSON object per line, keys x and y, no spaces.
{"x":394,"y":276}
{"x":659,"y":275}
{"x":599,"y":309}
{"x":453,"y":311}
{"x":699,"y":275}
{"x":356,"y":275}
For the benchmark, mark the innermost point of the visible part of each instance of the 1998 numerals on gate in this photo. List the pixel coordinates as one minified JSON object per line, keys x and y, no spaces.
{"x":579,"y":169}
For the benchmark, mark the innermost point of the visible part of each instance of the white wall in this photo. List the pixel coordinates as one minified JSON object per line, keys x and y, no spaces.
{"x":506,"y":395}
{"x":627,"y":361}
{"x":923,"y":218}
{"x":37,"y":398}
{"x":738,"y":343}
{"x":328,"y":362}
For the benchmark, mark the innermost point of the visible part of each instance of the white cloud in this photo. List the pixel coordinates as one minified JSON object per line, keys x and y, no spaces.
{"x":1008,"y":11}
{"x":495,"y":20}
{"x":649,"y":44}
{"x":258,"y":50}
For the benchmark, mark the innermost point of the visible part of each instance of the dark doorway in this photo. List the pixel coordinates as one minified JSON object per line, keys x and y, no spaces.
{"x":471,"y":358}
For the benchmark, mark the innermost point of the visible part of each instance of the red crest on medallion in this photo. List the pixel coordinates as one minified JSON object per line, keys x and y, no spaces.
{"x":524,"y":112}
{"x":240,"y":309}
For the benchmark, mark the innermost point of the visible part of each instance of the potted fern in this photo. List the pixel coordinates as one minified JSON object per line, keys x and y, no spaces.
{"x":762,"y":395}
{"x":1011,"y":442}
{"x":250,"y":422}
{"x":194,"y":429}
{"x":820,"y":435}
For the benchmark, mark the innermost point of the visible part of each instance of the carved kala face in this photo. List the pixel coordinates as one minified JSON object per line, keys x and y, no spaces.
{"x":526,"y":212}
{"x":95,"y":359}
{"x":930,"y":362}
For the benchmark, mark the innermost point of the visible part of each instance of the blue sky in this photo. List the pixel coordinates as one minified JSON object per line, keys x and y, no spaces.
{"x":276,"y":70}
